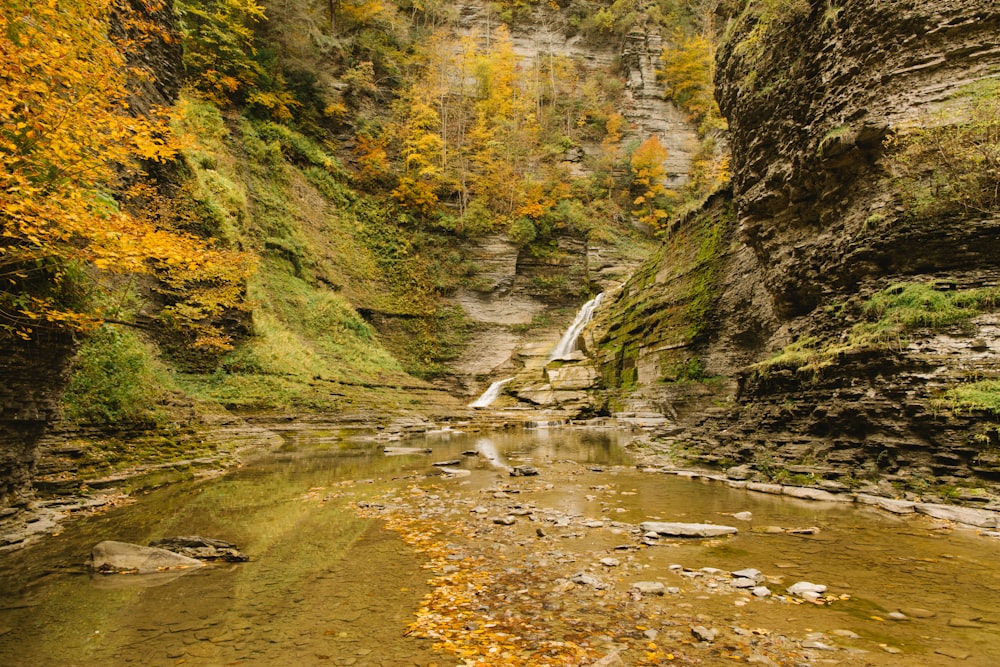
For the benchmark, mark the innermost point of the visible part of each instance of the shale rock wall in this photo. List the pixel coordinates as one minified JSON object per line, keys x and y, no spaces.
{"x":817,"y":228}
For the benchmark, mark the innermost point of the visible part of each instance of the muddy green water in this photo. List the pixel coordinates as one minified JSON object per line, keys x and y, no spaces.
{"x":326,"y":587}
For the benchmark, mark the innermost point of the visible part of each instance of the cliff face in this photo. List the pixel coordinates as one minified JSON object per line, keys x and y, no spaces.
{"x":823,"y":218}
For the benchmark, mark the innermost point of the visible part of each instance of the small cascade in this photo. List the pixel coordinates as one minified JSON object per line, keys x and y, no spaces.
{"x":567,"y":345}
{"x":491,"y":394}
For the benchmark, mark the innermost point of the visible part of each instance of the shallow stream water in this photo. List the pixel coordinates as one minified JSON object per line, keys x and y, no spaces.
{"x":326,"y":586}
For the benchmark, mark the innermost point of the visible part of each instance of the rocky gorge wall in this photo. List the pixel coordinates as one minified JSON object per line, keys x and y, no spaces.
{"x":817,"y":226}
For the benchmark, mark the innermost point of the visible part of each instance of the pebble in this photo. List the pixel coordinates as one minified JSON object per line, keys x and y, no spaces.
{"x":649,"y":587}
{"x":610,"y":562}
{"x":964,"y":623}
{"x":819,"y":646}
{"x":588,"y":580}
{"x":801,"y":588}
{"x":743,"y":582}
{"x":704,"y":634}
{"x":898,"y":616}
{"x":849,"y":634}
{"x":894,"y":650}
{"x":917,"y":612}
{"x":505,"y":520}
{"x":743,"y":516}
{"x":761,"y":591}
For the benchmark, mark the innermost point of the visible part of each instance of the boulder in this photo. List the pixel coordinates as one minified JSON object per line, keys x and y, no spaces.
{"x":202,"y":548}
{"x":112,"y":557}
{"x":672,"y":529}
{"x":572,"y":377}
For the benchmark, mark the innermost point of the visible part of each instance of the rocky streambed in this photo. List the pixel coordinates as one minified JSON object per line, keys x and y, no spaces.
{"x":526,"y":547}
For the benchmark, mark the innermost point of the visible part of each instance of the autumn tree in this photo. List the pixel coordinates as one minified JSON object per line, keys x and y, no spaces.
{"x":651,"y":202}
{"x":422,"y":147}
{"x":68,"y":141}
{"x":687,"y":75}
{"x":505,"y":129}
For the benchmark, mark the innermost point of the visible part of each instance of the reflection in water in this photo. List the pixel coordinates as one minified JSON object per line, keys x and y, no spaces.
{"x":488,"y":450}
{"x":317,"y":588}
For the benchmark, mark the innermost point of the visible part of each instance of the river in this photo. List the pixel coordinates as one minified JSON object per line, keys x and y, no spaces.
{"x":364,"y":559}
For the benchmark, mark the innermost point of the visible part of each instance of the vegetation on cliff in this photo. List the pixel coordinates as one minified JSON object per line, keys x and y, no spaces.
{"x":310,"y":192}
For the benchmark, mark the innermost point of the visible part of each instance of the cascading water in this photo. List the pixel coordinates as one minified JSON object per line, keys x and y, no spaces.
{"x":567,"y":345}
{"x":491,"y":394}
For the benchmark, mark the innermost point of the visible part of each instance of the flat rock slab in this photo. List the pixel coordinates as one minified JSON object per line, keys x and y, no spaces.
{"x":671,"y":529}
{"x":202,"y":548}
{"x":121,"y":557}
{"x":404,"y":451}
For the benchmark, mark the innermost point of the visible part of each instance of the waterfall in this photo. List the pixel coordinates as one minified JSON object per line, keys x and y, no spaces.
{"x":491,"y":394}
{"x":567,"y":344}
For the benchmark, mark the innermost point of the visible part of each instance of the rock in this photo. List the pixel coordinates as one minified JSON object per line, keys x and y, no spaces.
{"x":403,"y":451}
{"x":202,"y":548}
{"x":917,"y":612}
{"x":585,"y":579}
{"x":451,"y":462}
{"x":973,"y":517}
{"x":649,"y":587}
{"x":894,"y":650}
{"x":686,"y":529}
{"x":742,"y":582}
{"x":807,"y":493}
{"x":739,"y":472}
{"x":760,"y":487}
{"x":523,"y":471}
{"x":801,"y":588}
{"x":610,"y":562}
{"x":761,"y":592}
{"x":110,"y":557}
{"x":505,"y":520}
{"x":956,"y":653}
{"x":749,"y":573}
{"x":964,"y":623}
{"x":743,"y":516}
{"x":701,"y":633}
{"x":455,"y":472}
{"x":849,"y":634}
{"x":898,"y":616}
{"x":819,"y":646}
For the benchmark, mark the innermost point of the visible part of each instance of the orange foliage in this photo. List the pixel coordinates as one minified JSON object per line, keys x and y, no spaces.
{"x":648,"y":175}
{"x":67,"y":137}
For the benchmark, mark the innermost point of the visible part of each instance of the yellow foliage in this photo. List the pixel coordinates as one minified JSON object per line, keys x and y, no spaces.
{"x":687,"y":76}
{"x":66,"y":138}
{"x":648,"y":174}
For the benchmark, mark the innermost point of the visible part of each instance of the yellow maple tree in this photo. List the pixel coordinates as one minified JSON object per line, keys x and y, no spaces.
{"x":68,"y":143}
